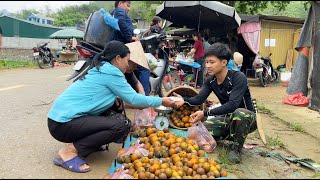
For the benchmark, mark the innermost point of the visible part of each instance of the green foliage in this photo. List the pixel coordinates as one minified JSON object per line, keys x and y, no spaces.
{"x":275,"y":143}
{"x":23,"y":14}
{"x":296,"y":127}
{"x":4,"y":64}
{"x":296,"y":9}
{"x":72,"y":15}
{"x":253,"y":7}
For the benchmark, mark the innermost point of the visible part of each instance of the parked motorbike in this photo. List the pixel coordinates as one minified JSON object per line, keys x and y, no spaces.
{"x":150,"y":44}
{"x":264,"y":70}
{"x":42,"y":54}
{"x":164,"y":77}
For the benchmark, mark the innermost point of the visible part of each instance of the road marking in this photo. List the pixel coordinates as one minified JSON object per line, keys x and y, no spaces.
{"x":11,"y":87}
{"x":63,"y":76}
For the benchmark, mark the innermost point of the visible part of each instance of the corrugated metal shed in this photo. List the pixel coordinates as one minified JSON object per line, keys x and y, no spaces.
{"x":14,"y":27}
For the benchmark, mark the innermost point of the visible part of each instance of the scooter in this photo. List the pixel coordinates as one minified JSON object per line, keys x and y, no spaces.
{"x":42,"y":54}
{"x":149,"y":44}
{"x":163,"y":78}
{"x":265,"y":71}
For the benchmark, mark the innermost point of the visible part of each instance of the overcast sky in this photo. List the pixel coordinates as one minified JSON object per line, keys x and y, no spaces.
{"x":15,"y":6}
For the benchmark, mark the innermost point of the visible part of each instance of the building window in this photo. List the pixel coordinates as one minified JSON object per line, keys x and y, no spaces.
{"x":38,"y":20}
{"x":43,"y":21}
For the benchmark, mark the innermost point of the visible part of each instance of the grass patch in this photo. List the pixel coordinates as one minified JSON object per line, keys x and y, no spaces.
{"x":275,"y":143}
{"x":263,"y":109}
{"x":296,"y":127}
{"x":4,"y":64}
{"x":316,"y":175}
{"x":223,"y":160}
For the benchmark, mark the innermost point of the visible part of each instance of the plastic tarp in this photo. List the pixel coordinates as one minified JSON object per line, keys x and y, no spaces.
{"x":251,"y":34}
{"x":306,"y":71}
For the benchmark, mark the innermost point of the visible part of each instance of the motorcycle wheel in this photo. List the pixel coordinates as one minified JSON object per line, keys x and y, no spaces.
{"x":173,"y":80}
{"x":43,"y":63}
{"x":275,"y":76}
{"x":262,"y":78}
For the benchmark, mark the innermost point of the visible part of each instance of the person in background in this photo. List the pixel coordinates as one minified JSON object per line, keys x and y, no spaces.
{"x":87,"y":116}
{"x":126,"y":35}
{"x":236,"y":117}
{"x":198,"y":54}
{"x":206,"y":44}
{"x":142,"y":73}
{"x":236,"y":62}
{"x":120,"y":12}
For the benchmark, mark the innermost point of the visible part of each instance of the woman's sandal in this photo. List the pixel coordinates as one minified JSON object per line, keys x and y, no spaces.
{"x":73,"y":164}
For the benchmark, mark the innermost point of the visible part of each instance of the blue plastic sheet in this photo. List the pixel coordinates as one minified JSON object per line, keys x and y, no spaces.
{"x":193,"y":64}
{"x":176,"y":132}
{"x":109,"y":20}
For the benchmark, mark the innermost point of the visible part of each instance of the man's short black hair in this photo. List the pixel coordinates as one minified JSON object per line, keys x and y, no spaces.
{"x":116,"y":3}
{"x":220,"y":50}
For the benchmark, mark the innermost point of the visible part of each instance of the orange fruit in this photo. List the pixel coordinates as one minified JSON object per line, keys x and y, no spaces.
{"x":183,"y":154}
{"x":223,"y":173}
{"x":149,"y":131}
{"x":218,"y":167}
{"x":160,"y":134}
{"x":184,"y":145}
{"x":179,"y":140}
{"x":201,"y":153}
{"x":145,"y":160}
{"x":216,"y":173}
{"x":134,"y":157}
{"x":176,"y":159}
{"x":190,"y":164}
{"x":172,"y":151}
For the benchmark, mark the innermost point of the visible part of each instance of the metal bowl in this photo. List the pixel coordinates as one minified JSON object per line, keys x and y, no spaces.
{"x":163,"y":109}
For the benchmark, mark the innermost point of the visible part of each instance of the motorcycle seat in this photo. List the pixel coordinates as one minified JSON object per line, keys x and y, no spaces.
{"x":91,"y":46}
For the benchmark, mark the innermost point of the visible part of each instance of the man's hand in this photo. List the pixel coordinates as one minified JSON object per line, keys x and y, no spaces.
{"x":197,"y":116}
{"x":178,"y":103}
{"x":134,"y":39}
{"x":166,"y":101}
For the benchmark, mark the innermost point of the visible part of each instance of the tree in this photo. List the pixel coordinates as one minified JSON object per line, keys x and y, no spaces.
{"x":72,"y":15}
{"x":296,"y":9}
{"x":23,"y":14}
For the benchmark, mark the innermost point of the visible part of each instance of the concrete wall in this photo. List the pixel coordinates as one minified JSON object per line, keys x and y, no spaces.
{"x":29,"y":43}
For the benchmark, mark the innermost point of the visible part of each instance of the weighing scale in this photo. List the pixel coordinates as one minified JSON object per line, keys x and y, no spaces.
{"x":161,"y":120}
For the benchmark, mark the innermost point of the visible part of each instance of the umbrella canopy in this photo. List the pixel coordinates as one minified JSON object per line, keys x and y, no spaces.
{"x":181,"y":31}
{"x":67,"y":34}
{"x":199,"y":14}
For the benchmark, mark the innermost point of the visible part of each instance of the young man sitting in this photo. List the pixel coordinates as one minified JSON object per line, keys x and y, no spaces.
{"x":235,"y":118}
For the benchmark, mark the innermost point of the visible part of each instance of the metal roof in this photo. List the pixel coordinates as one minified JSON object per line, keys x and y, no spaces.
{"x":256,"y":18}
{"x":30,"y":22}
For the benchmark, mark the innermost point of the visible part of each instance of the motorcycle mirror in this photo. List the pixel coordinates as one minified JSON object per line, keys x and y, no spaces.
{"x":136,"y":31}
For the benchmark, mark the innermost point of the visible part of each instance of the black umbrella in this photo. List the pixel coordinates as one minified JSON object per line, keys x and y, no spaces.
{"x":199,"y":14}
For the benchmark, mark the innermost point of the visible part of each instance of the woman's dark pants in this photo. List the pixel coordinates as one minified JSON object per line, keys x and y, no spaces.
{"x":89,"y":133}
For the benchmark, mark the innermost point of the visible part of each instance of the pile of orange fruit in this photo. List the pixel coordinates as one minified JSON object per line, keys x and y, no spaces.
{"x":180,"y":117}
{"x":169,"y":157}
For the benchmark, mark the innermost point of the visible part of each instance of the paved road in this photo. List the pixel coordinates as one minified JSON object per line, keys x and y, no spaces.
{"x":27,"y":148}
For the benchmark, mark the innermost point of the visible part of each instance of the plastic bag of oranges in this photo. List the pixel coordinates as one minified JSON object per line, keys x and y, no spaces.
{"x":144,"y":118}
{"x":121,"y":174}
{"x":136,"y":149}
{"x":200,"y":134}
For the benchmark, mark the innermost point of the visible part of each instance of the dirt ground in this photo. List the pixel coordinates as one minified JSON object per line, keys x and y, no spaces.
{"x":286,"y":140}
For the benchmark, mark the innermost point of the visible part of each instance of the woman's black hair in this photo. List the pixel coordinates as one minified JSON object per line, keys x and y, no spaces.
{"x":220,"y":50}
{"x":110,"y":51}
{"x":155,"y":20}
{"x":197,"y":34}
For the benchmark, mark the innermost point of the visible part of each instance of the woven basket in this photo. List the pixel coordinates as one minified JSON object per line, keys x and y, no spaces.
{"x":183,"y":91}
